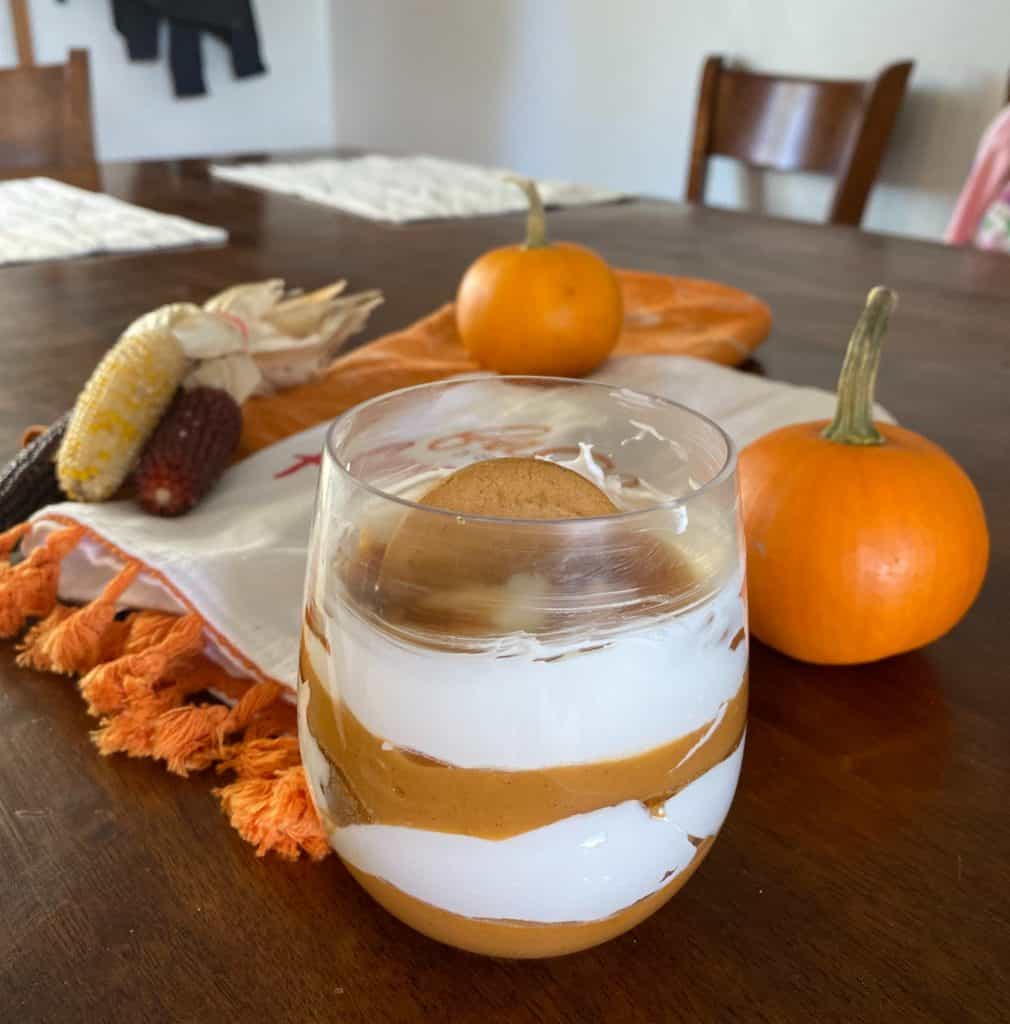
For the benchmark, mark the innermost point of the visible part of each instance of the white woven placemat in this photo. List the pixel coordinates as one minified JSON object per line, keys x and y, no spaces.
{"x":401,"y":189}
{"x":42,"y":219}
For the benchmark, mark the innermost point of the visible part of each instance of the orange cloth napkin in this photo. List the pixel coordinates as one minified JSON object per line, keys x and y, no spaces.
{"x":663,"y":315}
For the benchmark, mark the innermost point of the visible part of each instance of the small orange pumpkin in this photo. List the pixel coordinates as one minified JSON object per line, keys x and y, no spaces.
{"x":547,"y":308}
{"x":863,"y":540}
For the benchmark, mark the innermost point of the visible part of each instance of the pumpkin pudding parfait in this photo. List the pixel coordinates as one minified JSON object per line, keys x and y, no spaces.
{"x":523,"y":669}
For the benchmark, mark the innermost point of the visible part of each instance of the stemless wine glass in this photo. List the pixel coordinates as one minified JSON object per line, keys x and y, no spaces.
{"x":523,"y":734}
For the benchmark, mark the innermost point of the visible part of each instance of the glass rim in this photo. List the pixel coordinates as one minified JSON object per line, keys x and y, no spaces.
{"x":723,"y":473}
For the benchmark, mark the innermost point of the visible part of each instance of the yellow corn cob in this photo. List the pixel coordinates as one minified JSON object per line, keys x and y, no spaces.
{"x":117,"y":411}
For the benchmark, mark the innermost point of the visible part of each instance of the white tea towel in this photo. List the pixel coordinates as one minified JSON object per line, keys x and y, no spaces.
{"x":42,"y":219}
{"x":239,"y":558}
{"x":401,"y":189}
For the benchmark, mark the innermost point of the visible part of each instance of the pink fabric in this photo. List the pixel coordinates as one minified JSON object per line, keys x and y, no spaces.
{"x":989,"y":176}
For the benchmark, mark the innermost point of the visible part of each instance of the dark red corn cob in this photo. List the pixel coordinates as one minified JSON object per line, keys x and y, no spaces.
{"x":28,"y":481}
{"x":190,"y":448}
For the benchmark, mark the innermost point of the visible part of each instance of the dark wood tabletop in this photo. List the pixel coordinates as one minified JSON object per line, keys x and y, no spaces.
{"x":864,"y":870}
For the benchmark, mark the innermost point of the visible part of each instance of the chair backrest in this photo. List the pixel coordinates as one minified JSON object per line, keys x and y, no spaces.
{"x":46,"y":118}
{"x":798,"y":124}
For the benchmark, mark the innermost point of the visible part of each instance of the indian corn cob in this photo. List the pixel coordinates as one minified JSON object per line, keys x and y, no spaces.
{"x":117,"y":411}
{"x":28,"y":482}
{"x":189,"y":450}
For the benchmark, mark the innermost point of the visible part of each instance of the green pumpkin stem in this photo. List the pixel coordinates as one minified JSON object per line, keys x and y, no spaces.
{"x":853,"y":422}
{"x":536,"y":219}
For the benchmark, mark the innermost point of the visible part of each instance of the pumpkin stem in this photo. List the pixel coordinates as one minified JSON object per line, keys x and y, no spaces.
{"x":853,"y":422}
{"x":536,"y":219}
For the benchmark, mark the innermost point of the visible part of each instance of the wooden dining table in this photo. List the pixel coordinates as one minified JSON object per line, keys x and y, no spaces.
{"x":864,"y":871}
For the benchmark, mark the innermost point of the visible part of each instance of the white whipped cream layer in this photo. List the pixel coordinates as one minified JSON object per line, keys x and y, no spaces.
{"x":523,"y":704}
{"x":583,"y":868}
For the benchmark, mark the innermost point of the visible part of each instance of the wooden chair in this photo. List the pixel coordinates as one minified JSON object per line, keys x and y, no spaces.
{"x":46,"y":119}
{"x":798,"y":124}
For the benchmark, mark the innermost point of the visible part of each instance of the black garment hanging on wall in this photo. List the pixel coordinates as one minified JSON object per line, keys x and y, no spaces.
{"x":231,"y":21}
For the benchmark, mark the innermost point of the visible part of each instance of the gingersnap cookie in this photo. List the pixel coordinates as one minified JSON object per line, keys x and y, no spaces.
{"x":517,"y":488}
{"x":449,"y":572}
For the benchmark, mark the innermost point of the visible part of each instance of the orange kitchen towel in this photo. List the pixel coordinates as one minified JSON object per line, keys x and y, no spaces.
{"x":144,"y":674}
{"x":663,"y":315}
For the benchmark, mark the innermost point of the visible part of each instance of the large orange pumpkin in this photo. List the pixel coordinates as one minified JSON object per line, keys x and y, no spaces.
{"x":541,"y":307}
{"x":863,"y":540}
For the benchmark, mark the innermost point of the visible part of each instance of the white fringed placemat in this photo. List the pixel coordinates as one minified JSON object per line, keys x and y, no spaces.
{"x":42,"y":219}
{"x":401,"y":189}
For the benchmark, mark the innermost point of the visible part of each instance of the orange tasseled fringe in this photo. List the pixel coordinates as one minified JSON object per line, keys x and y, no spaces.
{"x":131,"y":730}
{"x":109,"y":687}
{"x":10,"y":539}
{"x":76,"y":643}
{"x":269,"y":803}
{"x":137,"y":673}
{"x":29,"y":649}
{"x":28,"y":590}
{"x":146,"y":629}
{"x":275,"y":813}
{"x":261,"y":758}
{"x":192,"y":738}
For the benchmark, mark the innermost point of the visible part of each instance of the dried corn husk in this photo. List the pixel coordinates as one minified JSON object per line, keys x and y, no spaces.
{"x":288,"y":338}
{"x":295,"y":338}
{"x":237,"y":374}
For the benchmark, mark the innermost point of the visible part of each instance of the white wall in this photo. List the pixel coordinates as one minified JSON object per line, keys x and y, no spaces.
{"x":584,"y":89}
{"x":604,"y":92}
{"x":136,"y":112}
